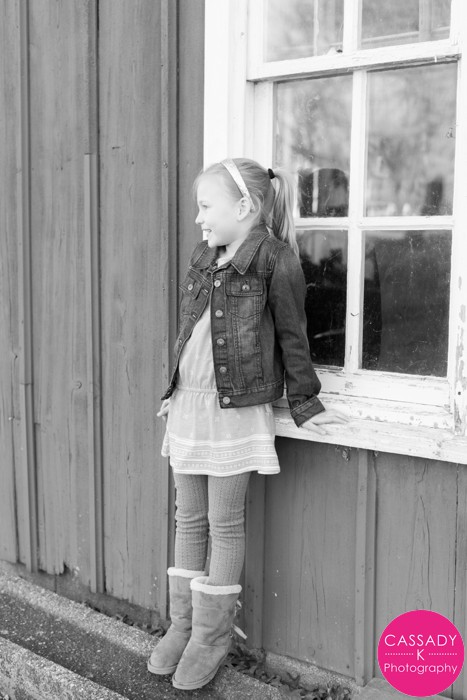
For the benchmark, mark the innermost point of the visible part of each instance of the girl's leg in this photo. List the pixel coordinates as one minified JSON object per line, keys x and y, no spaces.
{"x":191,"y":516}
{"x":214,"y":598}
{"x":226,"y":520}
{"x":191,"y":537}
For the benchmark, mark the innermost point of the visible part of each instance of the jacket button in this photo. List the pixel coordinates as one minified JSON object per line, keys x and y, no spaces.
{"x":226,"y":400}
{"x":190,"y":287}
{"x":219,"y":313}
{"x":223,"y":370}
{"x":246,"y":287}
{"x":220,"y":341}
{"x":217,"y":283}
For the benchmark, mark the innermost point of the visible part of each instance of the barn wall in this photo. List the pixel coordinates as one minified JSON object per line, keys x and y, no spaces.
{"x":352,"y":539}
{"x":89,"y":280}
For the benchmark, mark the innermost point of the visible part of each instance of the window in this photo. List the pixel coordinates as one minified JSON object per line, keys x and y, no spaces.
{"x":366,"y":104}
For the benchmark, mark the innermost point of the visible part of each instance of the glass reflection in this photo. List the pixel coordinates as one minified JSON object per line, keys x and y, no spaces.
{"x":313,"y":140}
{"x":323,"y":192}
{"x":324,"y":261}
{"x":411,"y":140}
{"x":406,"y":301}
{"x":404,"y":21}
{"x":300,"y":28}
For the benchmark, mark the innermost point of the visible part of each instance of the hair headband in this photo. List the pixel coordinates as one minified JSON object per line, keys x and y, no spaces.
{"x":229,"y":164}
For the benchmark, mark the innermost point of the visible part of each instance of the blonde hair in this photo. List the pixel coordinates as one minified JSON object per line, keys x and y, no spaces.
{"x":272,"y":200}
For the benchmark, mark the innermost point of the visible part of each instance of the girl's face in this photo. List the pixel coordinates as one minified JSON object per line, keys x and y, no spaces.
{"x":220,"y":217}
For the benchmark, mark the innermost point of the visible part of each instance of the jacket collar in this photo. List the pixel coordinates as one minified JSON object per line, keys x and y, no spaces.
{"x":243,"y":256}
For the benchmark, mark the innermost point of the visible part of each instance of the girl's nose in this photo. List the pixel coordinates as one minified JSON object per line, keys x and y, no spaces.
{"x":198,"y":218}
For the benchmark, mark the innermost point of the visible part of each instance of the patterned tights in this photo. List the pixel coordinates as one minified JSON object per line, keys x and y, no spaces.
{"x":216,"y":505}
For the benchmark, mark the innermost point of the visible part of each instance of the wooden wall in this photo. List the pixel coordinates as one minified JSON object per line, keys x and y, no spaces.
{"x":352,"y":539}
{"x":89,"y":264}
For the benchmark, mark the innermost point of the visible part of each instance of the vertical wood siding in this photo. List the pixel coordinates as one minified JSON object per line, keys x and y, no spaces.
{"x":190,"y":115}
{"x":57,"y":107}
{"x":10,"y":155}
{"x":95,"y":165}
{"x":416,"y":545}
{"x":135,"y":302}
{"x":184,"y":233}
{"x":353,"y":539}
{"x":92,"y":267}
{"x":309,"y":570}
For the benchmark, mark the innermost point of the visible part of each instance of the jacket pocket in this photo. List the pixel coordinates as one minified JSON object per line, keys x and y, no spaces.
{"x":245,"y":295}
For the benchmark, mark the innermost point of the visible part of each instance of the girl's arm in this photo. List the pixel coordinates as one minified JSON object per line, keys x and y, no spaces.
{"x":164,"y":409}
{"x":286,"y":299}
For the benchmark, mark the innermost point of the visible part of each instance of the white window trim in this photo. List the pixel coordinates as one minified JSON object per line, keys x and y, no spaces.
{"x":237,"y":122}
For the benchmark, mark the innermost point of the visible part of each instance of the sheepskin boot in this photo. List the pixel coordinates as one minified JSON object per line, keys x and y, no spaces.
{"x":166,"y":655}
{"x":213,"y":613}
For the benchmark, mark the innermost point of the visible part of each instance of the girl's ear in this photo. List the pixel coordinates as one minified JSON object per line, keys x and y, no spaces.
{"x":244,"y":208}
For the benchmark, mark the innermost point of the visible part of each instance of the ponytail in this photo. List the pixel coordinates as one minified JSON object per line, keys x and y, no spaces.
{"x":281,"y":216}
{"x":271,"y":194}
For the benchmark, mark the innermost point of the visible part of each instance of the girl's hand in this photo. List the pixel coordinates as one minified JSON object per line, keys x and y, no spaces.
{"x":164,"y":409}
{"x":329,"y":416}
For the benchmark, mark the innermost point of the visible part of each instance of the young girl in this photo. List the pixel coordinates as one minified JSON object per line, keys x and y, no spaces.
{"x":242,"y":328}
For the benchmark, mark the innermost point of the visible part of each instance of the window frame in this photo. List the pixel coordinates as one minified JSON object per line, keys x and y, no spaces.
{"x":238,"y":121}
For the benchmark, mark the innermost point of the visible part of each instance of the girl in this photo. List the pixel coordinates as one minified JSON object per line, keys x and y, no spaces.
{"x":242,"y":328}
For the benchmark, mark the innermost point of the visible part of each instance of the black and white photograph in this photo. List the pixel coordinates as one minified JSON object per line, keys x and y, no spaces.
{"x":233,"y":349}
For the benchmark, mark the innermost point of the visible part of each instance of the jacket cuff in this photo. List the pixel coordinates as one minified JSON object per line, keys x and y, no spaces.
{"x":306,"y":410}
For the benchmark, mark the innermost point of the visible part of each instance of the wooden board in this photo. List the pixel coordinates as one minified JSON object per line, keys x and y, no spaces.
{"x":460,"y":590}
{"x":184,"y":233}
{"x":309,"y":563}
{"x":191,"y":96}
{"x":415,"y":539}
{"x":57,"y":122}
{"x":134,"y":296}
{"x":9,"y":351}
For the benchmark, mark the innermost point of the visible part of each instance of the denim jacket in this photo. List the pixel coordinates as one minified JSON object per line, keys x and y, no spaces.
{"x":258,"y":324}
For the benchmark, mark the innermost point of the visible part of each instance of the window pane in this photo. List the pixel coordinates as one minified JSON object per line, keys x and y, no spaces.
{"x":406,"y":301}
{"x":441,"y":18}
{"x":404,"y":21}
{"x":411,"y":130}
{"x":300,"y":28}
{"x":313,"y":141}
{"x":324,"y":262}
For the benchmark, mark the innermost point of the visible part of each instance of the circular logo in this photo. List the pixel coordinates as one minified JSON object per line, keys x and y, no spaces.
{"x":421,"y":653}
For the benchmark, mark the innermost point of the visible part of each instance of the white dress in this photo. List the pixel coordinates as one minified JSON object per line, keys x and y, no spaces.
{"x":203,"y":438}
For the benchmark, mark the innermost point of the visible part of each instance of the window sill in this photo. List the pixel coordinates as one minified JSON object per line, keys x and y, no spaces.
{"x":413,"y":440}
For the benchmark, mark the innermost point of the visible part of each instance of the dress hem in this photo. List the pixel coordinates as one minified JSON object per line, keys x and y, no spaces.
{"x":215,"y":473}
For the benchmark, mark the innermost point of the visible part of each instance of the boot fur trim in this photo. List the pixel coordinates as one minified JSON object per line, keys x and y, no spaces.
{"x":200,"y":584}
{"x":183,"y":573}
